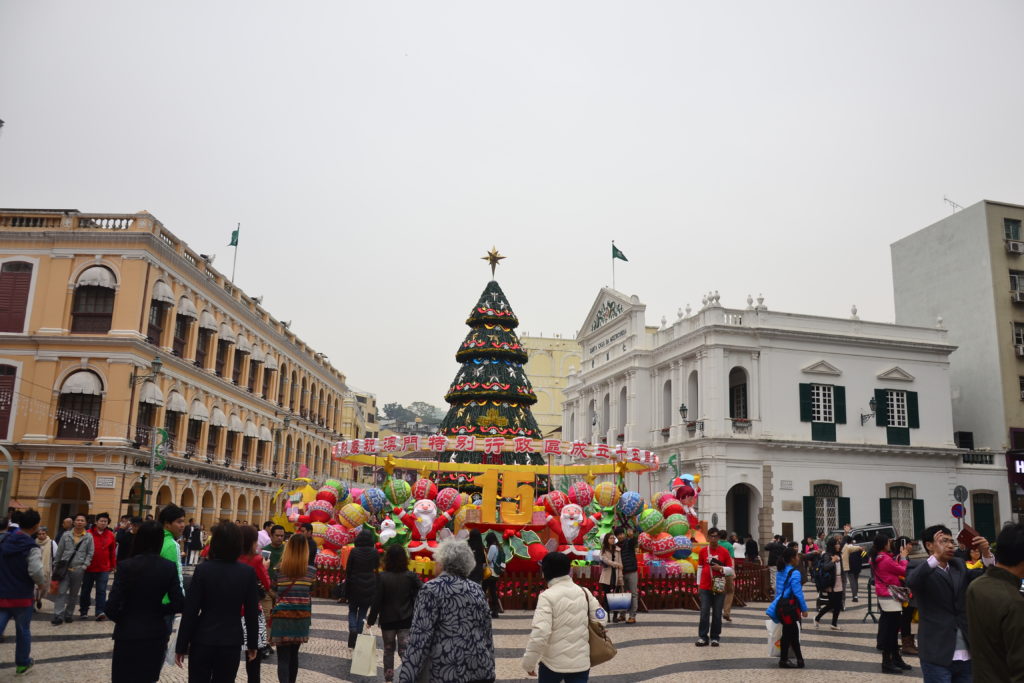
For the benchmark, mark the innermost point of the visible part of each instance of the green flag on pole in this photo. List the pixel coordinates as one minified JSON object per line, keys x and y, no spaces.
{"x":616,"y":254}
{"x":234,"y":238}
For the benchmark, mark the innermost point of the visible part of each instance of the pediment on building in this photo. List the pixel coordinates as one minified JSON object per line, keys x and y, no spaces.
{"x":822,"y":367}
{"x":610,"y":306}
{"x":897,"y":374}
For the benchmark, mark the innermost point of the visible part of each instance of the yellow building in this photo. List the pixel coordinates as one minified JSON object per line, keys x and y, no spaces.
{"x":551,"y":361}
{"x":112,"y":328}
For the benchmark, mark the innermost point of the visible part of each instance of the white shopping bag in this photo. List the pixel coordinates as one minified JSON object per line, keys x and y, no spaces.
{"x":774,"y":637}
{"x":364,"y":655}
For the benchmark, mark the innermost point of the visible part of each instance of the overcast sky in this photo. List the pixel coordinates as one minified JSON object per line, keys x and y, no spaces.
{"x":373,"y":152}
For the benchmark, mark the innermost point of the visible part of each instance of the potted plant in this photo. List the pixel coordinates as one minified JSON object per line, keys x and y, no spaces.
{"x":665,"y":431}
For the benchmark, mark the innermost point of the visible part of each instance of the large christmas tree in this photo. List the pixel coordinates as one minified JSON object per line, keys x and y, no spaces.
{"x":491,"y":395}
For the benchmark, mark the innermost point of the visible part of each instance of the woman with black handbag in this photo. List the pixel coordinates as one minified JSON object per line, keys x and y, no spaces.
{"x":789,"y":606}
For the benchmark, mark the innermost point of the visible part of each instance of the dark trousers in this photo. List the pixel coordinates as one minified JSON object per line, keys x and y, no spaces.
{"x":790,"y":639}
{"x":888,"y":631}
{"x":546,"y":675}
{"x":137,"y":660}
{"x":98,"y":579}
{"x":490,"y":586}
{"x":834,"y":605}
{"x":710,"y":614}
{"x":212,"y":663}
{"x":287,"y":662}
{"x":252,"y":668}
{"x":907,"y":621}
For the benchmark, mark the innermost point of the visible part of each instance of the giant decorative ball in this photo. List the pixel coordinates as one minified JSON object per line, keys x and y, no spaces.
{"x":606,"y":494}
{"x":397,"y":490}
{"x":671,"y":506}
{"x":355,"y":495}
{"x":446,"y":499}
{"x":320,"y":511}
{"x":353,"y":515}
{"x":424,"y":488}
{"x":374,"y":500}
{"x":683,"y":544}
{"x":328,"y":494}
{"x":581,"y":493}
{"x":338,"y":486}
{"x":687,"y":567}
{"x":677,"y":525}
{"x":629,"y":504}
{"x":555,"y":501}
{"x":650,"y":521}
{"x":660,"y":497}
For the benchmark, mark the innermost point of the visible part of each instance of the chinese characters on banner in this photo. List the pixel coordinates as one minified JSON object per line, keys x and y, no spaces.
{"x":437,"y":443}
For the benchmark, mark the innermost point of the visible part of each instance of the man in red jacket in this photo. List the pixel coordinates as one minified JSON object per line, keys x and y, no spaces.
{"x":713,"y":565}
{"x":104,"y":560}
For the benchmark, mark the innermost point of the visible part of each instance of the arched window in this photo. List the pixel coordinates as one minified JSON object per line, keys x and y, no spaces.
{"x":161,"y":302}
{"x":183,"y":319}
{"x":15,"y":281}
{"x":693,"y":397}
{"x":78,"y":409}
{"x":666,"y":404}
{"x":282,"y":383}
{"x":738,"y":393}
{"x":621,"y":433}
{"x":93,"y":307}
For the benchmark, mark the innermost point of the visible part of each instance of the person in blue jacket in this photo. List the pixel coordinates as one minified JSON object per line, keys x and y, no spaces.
{"x":789,"y":591}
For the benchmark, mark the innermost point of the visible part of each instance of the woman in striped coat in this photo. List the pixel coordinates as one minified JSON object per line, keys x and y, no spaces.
{"x":290,"y":619}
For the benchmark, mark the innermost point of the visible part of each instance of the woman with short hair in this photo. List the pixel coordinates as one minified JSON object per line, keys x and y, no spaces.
{"x":450,"y":639}
{"x":209,"y":633}
{"x":137,"y":609}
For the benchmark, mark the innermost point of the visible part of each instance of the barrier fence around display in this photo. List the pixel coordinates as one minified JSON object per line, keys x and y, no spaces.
{"x":519,"y":591}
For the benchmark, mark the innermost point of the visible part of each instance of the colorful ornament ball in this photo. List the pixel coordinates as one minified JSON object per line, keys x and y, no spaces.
{"x":397,"y":490}
{"x":424,"y":488}
{"x":320,"y":511}
{"x":606,"y":494}
{"x":677,"y":525}
{"x":374,"y":500}
{"x":651,"y":521}
{"x":555,"y":501}
{"x":353,"y":515}
{"x":629,"y":504}
{"x":329,"y":494}
{"x":581,"y":493}
{"x":447,"y":498}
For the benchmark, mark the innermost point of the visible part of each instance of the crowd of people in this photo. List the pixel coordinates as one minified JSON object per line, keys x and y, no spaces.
{"x":250,"y":598}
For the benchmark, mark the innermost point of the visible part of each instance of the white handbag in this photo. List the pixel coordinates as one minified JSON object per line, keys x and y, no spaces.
{"x":364,"y":655}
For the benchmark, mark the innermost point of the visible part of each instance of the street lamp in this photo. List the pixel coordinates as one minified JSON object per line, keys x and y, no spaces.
{"x":873,"y":405}
{"x":682,"y":411}
{"x":156,"y":365}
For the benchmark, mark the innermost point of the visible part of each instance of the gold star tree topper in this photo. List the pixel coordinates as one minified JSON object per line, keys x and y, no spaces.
{"x":493,"y":257}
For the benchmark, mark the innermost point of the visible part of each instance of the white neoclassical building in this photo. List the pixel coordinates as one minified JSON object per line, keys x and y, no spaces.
{"x":796,"y":423}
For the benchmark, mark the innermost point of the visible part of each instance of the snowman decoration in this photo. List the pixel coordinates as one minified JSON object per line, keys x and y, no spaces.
{"x":387,"y":531}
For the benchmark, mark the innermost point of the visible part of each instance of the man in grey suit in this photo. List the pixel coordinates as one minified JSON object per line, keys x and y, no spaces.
{"x":940,"y":587}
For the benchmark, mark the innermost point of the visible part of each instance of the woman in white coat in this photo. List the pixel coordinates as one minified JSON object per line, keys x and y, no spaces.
{"x":559,"y":646}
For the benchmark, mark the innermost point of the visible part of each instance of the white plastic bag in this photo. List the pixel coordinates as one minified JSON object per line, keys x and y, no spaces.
{"x":774,"y":638}
{"x":364,"y":655}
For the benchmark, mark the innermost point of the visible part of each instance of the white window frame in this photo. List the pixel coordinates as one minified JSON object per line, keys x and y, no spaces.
{"x":1011,"y":225}
{"x":1016,"y":281}
{"x":1018,"y":333}
{"x":901,"y":500}
{"x":823,"y":403}
{"x":896,"y":408}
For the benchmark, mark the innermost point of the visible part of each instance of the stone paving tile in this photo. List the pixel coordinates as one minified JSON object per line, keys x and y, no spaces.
{"x":658,"y":648}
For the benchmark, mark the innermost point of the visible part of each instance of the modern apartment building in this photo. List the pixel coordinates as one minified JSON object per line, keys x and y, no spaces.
{"x":797,"y":423}
{"x":112,"y":328}
{"x":551,"y":360}
{"x":965,"y":273}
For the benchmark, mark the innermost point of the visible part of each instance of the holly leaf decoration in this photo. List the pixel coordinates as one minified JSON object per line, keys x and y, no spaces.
{"x":529,"y":537}
{"x":518,"y":547}
{"x":506,"y":548}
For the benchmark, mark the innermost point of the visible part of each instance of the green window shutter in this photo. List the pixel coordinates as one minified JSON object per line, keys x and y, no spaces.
{"x":897,"y":436}
{"x":918,"y":517}
{"x":810,"y":518}
{"x":844,"y":511}
{"x":913,"y":415}
{"x":885,"y":510}
{"x":839,"y":404}
{"x":823,"y":431}
{"x":806,"y":407}
{"x":881,"y":408}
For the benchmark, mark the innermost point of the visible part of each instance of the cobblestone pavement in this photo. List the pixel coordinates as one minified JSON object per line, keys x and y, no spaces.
{"x":658,"y":648}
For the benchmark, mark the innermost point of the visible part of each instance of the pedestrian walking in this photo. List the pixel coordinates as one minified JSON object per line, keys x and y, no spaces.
{"x":853,"y":559}
{"x":394,"y":605}
{"x":137,"y":608}
{"x":811,"y":552}
{"x":889,"y":572}
{"x":307,"y":531}
{"x":940,"y":586}
{"x":172,"y":518}
{"x":293,"y":610}
{"x":788,"y":607}
{"x":221,"y":588}
{"x":995,"y":612}
{"x":830,"y":581}
{"x":74,"y":554}
{"x":450,"y":638}
{"x":21,"y":572}
{"x":496,"y":567}
{"x":252,"y":557}
{"x":476,"y":544}
{"x":775,"y":550}
{"x":559,"y":646}
{"x":627,"y":545}
{"x":47,"y":553}
{"x":194,"y":543}
{"x":611,"y":580}
{"x":713,"y":565}
{"x":104,"y":559}
{"x":360,"y":582}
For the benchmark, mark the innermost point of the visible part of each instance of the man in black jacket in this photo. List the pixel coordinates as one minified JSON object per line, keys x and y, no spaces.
{"x":750,"y":550}
{"x":940,"y":587}
{"x":627,"y":546}
{"x":307,"y":531}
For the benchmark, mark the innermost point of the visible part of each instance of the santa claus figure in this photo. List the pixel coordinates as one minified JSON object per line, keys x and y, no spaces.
{"x":424,"y":523}
{"x":571,"y":527}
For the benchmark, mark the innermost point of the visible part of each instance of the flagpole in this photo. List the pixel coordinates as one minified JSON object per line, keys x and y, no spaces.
{"x":613,"y":264}
{"x":234,"y":263}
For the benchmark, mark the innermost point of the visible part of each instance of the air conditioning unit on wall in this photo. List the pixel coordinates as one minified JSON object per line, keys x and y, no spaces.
{"x":1014,"y":247}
